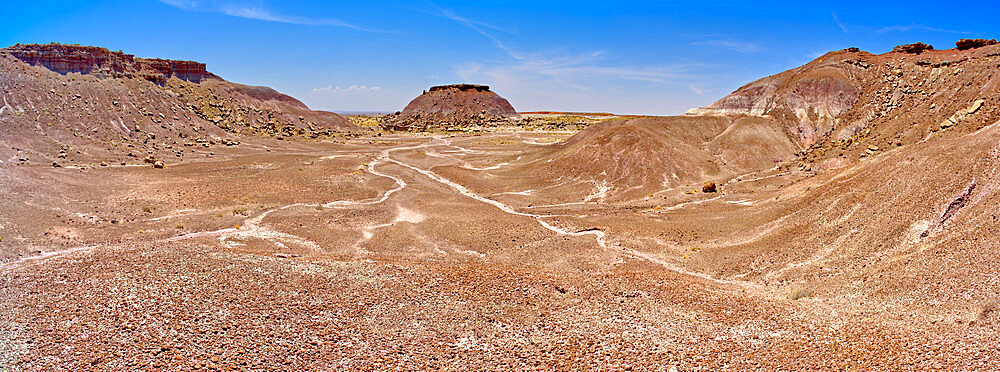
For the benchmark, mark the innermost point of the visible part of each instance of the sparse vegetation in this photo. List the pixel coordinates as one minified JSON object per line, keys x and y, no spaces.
{"x":799,"y":293}
{"x":989,"y":312}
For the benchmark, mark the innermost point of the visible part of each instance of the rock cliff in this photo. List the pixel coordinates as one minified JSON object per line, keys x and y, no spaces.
{"x":66,"y":104}
{"x":65,"y":59}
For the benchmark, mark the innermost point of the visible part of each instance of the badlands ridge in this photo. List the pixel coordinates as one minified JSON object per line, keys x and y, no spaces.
{"x":155,"y":215}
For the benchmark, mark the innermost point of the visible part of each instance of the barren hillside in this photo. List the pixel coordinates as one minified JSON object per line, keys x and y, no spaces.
{"x":448,"y":106}
{"x":68,"y":105}
{"x":837,"y":216}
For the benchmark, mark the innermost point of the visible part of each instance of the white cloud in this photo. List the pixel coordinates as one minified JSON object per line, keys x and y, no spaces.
{"x":838,"y":22}
{"x":260,"y":13}
{"x":698,"y":89}
{"x":357,"y":98}
{"x":914,"y":26}
{"x":330,"y":89}
{"x":738,"y":46}
{"x":183,"y":4}
{"x":555,"y":79}
{"x":550,"y":64}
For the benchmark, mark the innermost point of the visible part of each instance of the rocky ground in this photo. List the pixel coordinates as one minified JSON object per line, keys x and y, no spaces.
{"x":839,"y":216}
{"x":373,"y":254}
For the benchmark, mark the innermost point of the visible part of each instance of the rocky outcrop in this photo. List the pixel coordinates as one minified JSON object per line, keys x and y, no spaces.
{"x":966,"y":44}
{"x":452,"y":106}
{"x":810,"y":97}
{"x":66,"y":59}
{"x":847,"y":102}
{"x":461,"y":87}
{"x":113,"y":112}
{"x":915,"y":48}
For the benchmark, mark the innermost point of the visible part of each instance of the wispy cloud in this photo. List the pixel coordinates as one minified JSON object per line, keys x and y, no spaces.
{"x":330,"y":89}
{"x":477,"y":26}
{"x":914,"y":26}
{"x":699,"y":89}
{"x":737,"y":46}
{"x":556,"y":77}
{"x":838,"y":22}
{"x":183,"y":4}
{"x":555,"y":66}
{"x":258,"y":12}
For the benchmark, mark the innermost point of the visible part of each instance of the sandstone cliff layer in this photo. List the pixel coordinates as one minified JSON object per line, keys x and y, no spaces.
{"x":95,"y":60}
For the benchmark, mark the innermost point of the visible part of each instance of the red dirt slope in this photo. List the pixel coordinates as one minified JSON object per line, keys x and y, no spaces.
{"x":91,"y":103}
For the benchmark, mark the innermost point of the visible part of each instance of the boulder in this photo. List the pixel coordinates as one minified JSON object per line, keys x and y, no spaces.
{"x":915,"y":48}
{"x":708,"y":187}
{"x":966,"y":44}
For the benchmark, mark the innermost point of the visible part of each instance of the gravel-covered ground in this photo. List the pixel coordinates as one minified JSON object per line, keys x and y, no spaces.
{"x":399,"y":253}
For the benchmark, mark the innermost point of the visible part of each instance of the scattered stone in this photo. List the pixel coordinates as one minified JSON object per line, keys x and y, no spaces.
{"x":104,"y":163}
{"x":976,"y":106}
{"x":158,"y":164}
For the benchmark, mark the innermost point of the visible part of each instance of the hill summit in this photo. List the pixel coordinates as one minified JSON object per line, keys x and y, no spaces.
{"x":446,"y":106}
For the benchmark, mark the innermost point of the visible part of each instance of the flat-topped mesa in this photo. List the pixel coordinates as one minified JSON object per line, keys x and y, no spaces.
{"x":456,"y":106}
{"x":48,"y":105}
{"x":478,"y":88}
{"x":66,"y":59}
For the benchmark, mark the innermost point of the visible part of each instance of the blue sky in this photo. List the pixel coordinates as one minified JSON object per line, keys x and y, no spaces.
{"x":639,"y":57}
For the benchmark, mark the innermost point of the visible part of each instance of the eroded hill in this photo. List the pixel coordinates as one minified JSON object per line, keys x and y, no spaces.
{"x":452,"y":106}
{"x":69,"y":105}
{"x":852,"y":225}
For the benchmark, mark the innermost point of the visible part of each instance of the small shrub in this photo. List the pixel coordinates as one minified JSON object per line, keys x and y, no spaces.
{"x":798,"y":293}
{"x":147,"y":210}
{"x":241,"y":211}
{"x":989,"y":313}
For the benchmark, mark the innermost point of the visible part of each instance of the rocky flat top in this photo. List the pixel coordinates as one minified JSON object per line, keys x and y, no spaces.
{"x":452,"y":106}
{"x":65,"y":59}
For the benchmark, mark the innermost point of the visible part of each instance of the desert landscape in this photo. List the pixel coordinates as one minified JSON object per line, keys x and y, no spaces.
{"x":840,"y":215}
